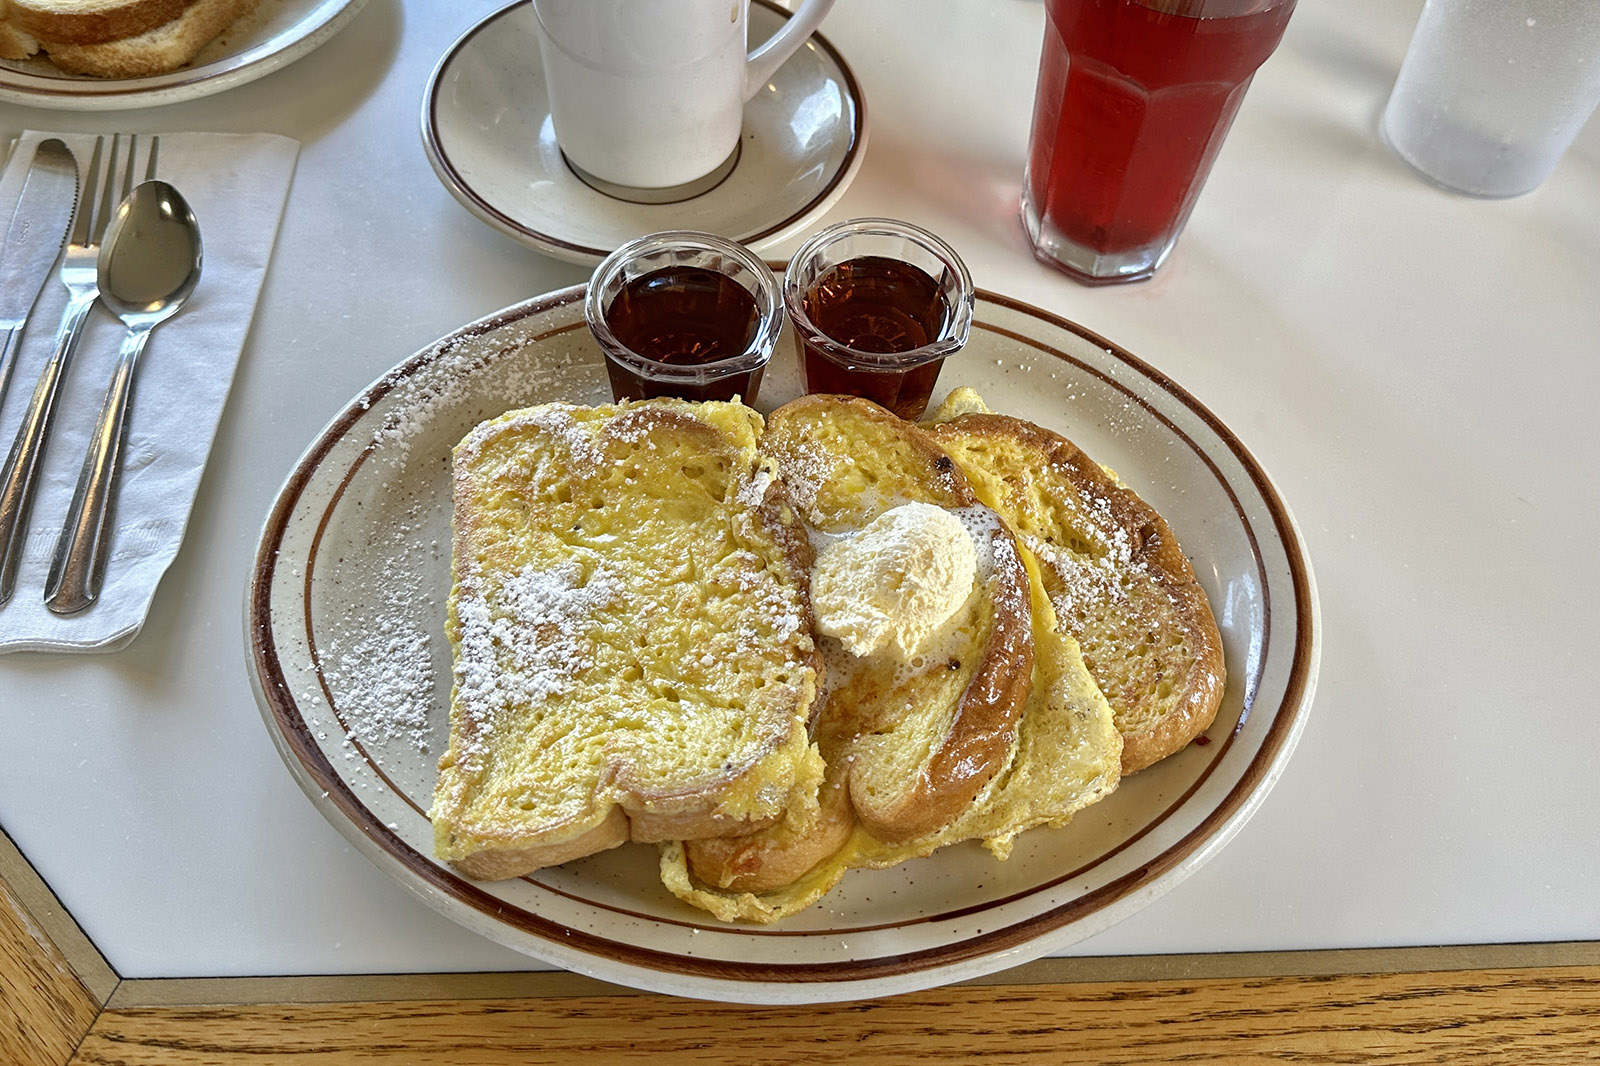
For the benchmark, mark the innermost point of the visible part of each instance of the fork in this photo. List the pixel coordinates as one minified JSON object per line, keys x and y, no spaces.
{"x":79,"y":273}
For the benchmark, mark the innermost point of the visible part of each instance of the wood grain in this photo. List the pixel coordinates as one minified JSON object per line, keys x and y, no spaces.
{"x":1520,"y":1005}
{"x":44,"y":1008}
{"x":1521,"y":1016}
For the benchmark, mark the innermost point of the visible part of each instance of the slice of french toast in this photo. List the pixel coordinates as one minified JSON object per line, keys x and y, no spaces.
{"x":1113,"y":569}
{"x":924,"y":731}
{"x":632,"y":636}
{"x":991,"y":727}
{"x":1066,"y":757}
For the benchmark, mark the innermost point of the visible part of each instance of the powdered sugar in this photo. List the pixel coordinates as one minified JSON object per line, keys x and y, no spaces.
{"x":775,"y":603}
{"x":526,"y":640}
{"x":806,"y":468}
{"x":753,"y":491}
{"x":397,"y":706}
{"x":1089,"y":577}
{"x":579,"y":440}
{"x":434,"y":389}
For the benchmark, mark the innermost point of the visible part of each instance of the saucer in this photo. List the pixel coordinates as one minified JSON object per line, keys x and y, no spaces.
{"x":487,"y":130}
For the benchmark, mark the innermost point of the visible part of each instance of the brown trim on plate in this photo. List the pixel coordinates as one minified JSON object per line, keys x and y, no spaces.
{"x":375,"y":767}
{"x":1294,"y":551}
{"x":1253,"y":679}
{"x":311,"y":562}
{"x":297,"y":733}
{"x":264,"y":652}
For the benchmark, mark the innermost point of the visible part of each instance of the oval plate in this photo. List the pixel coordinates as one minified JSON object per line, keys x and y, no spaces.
{"x":353,"y":673}
{"x":275,"y":34}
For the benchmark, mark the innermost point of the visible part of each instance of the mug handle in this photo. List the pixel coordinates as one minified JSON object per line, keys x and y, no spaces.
{"x":761,"y":64}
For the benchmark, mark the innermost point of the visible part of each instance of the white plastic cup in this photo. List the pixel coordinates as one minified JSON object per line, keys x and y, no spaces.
{"x":650,"y":94}
{"x":1493,"y":92}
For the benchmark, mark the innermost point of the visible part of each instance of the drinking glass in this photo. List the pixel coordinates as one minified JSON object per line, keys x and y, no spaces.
{"x":1133,"y":102}
{"x":1493,"y":92}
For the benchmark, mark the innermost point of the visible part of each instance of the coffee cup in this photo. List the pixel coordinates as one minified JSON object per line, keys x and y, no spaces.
{"x":647,"y":96}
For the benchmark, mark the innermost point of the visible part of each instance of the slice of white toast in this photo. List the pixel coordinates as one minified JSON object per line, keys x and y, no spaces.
{"x":91,"y":21}
{"x":156,"y":49}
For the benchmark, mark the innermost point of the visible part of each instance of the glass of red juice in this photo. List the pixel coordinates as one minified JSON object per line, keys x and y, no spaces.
{"x":878,"y":305}
{"x":1133,"y":102}
{"x":685,"y":314}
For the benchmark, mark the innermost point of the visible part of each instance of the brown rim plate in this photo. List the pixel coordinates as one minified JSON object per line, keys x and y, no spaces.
{"x":352,"y":672}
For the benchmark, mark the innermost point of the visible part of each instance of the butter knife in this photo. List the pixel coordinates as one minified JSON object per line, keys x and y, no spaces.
{"x":33,"y":242}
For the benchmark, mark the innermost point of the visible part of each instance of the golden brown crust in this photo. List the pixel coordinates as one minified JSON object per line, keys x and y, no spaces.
{"x":1114,"y":571}
{"x":497,"y":864}
{"x":158,"y":50}
{"x":93,"y":21}
{"x":783,"y":853}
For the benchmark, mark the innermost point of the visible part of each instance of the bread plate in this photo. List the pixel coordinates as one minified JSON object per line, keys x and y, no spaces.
{"x":275,"y":34}
{"x":352,"y":673}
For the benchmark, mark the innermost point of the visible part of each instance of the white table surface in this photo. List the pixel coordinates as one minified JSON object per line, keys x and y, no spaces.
{"x":1416,"y":370}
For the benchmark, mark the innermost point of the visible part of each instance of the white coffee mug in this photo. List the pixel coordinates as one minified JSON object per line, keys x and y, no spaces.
{"x":649,"y":94}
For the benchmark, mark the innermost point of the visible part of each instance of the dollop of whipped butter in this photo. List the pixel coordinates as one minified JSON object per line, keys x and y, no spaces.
{"x":896,"y":581}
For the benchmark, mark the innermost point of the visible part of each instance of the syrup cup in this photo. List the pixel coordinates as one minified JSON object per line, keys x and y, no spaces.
{"x":684,"y":314}
{"x":878,"y":305}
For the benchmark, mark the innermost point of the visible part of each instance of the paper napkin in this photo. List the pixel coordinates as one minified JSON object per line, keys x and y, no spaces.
{"x":237,"y":185}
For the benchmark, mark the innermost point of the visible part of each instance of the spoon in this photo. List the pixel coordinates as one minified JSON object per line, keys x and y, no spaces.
{"x":149,"y":264}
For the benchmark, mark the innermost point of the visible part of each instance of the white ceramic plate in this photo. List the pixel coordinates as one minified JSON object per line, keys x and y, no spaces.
{"x":345,"y":617}
{"x":487,"y":131}
{"x":276,"y":33}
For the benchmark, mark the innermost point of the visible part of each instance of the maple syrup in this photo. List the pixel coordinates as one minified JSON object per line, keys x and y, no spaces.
{"x":683,"y":316}
{"x":874,"y":305}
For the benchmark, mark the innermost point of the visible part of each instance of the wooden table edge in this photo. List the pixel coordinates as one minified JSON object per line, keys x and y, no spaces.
{"x":1530,"y":1002}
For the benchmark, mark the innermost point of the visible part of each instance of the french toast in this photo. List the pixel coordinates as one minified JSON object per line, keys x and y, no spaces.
{"x":1113,"y":570}
{"x":926,"y":732}
{"x":1066,"y":757}
{"x":981,"y":737}
{"x":632,"y":636}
